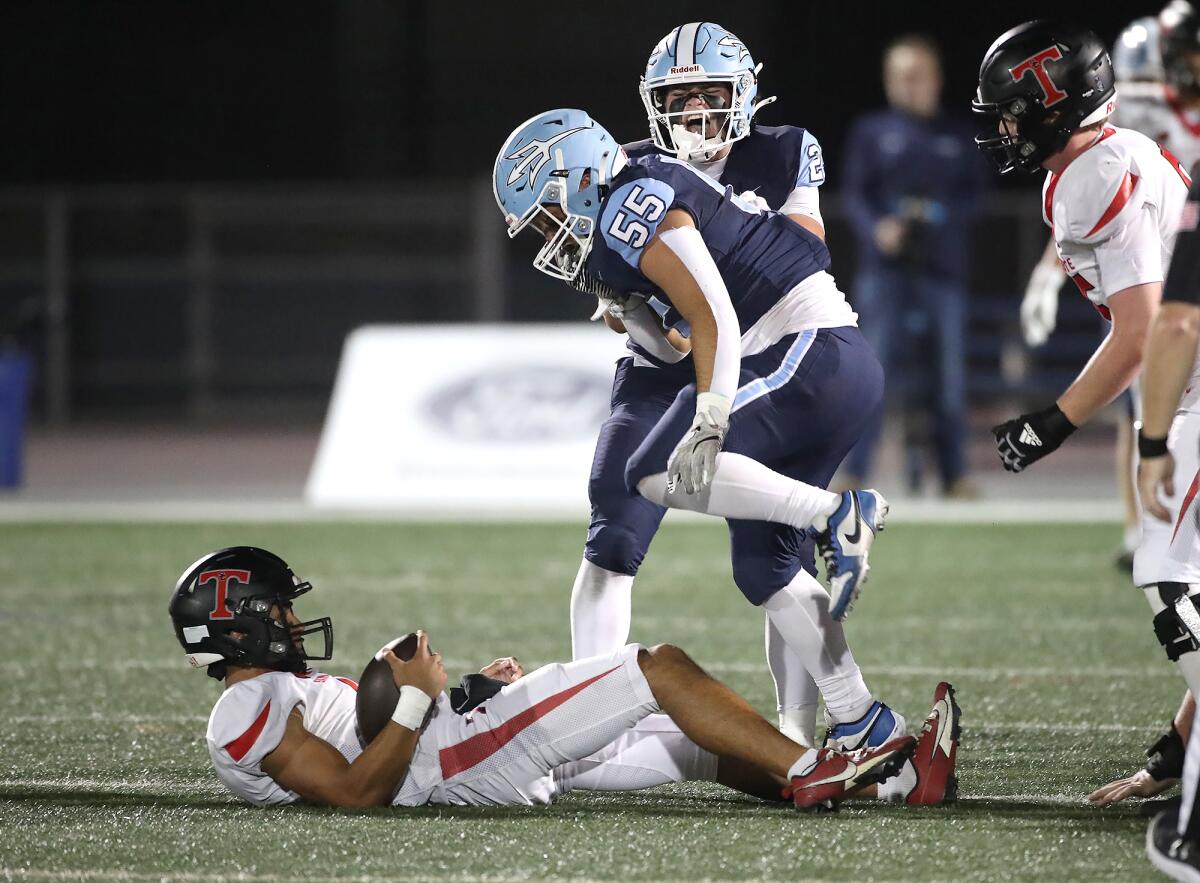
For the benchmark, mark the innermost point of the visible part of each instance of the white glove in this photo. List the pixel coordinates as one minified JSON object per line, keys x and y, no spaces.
{"x":1039,"y":308}
{"x":694,"y":462}
{"x":616,"y":305}
{"x":754,"y":199}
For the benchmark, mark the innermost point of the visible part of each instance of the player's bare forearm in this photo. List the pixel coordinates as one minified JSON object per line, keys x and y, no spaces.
{"x":1107,"y":374}
{"x":1118,"y":359}
{"x":677,"y":340}
{"x":317,"y":771}
{"x":613,"y":322}
{"x":1170,"y":354}
{"x":812,"y":225}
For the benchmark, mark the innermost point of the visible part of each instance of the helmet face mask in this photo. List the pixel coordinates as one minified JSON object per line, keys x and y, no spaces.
{"x":232,"y":608}
{"x":1039,"y":83}
{"x":700,"y":55}
{"x":553,"y":173}
{"x":568,"y":239}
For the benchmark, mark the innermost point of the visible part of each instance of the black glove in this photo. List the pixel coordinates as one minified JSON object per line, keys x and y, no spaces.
{"x":475,"y":690}
{"x":1166,"y":756}
{"x":1030,"y":437}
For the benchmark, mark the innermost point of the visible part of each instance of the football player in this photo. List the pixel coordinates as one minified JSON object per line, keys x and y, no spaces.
{"x":1168,"y":443}
{"x":1112,"y":198}
{"x":281,"y":732}
{"x":700,"y":93}
{"x":783,"y":380}
{"x":1155,"y":60}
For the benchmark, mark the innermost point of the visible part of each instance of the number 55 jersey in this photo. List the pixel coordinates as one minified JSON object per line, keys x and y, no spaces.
{"x":774,"y":269}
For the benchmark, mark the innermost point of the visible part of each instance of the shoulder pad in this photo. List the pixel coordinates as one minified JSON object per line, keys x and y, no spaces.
{"x":645,"y":147}
{"x":248,"y":721}
{"x":1097,"y":195}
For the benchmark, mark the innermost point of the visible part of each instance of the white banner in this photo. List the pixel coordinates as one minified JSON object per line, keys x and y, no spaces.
{"x":498,"y":419}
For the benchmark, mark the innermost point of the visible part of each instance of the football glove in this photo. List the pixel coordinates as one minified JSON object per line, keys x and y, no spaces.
{"x":1030,"y":437}
{"x":1039,"y":307}
{"x":752,"y":198}
{"x":694,"y":462}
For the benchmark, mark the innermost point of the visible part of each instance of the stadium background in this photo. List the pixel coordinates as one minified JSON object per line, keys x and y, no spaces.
{"x":199,"y":201}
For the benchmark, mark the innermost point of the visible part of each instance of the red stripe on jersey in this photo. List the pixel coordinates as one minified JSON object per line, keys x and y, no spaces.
{"x":1170,"y":157}
{"x":1118,"y":202}
{"x":1084,"y":287}
{"x":1187,"y":501}
{"x":353,"y":685}
{"x":1048,"y":207}
{"x":238,"y":747}
{"x":457,"y":758}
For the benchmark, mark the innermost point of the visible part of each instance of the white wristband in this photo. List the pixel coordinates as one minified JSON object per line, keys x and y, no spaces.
{"x":714,"y":406}
{"x":411,"y":707}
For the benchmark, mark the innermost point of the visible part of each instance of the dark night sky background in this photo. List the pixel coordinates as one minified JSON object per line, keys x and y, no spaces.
{"x":97,"y":92}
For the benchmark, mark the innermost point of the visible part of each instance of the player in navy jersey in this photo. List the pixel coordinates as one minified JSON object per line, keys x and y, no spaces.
{"x":700,"y":83}
{"x":699,"y":91}
{"x":783,"y":382}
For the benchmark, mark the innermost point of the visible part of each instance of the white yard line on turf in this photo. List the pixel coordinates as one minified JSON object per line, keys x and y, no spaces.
{"x":226,"y":511}
{"x":172,"y":876}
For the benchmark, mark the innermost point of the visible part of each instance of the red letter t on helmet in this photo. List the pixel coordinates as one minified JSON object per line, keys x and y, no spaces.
{"x":222,"y":577}
{"x":1036,"y":63}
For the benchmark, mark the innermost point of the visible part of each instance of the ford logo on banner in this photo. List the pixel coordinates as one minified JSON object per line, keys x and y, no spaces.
{"x":524,"y":403}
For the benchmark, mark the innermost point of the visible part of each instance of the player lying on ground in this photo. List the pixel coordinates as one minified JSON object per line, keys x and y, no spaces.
{"x":633,"y":719}
{"x":700,"y":93}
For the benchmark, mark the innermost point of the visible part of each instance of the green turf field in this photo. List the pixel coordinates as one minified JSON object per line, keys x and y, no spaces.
{"x":104,"y":774}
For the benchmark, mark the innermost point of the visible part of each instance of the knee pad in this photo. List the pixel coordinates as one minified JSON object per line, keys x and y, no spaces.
{"x":759,"y":579}
{"x":620,"y":547}
{"x":1177,"y":624}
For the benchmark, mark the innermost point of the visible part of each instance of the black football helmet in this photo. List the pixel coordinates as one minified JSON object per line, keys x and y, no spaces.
{"x":222,"y":611}
{"x":1179,"y":37}
{"x":1046,"y":80}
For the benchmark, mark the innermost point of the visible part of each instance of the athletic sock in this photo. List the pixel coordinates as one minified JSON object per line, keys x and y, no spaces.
{"x":601,"y":610}
{"x":898,"y":787}
{"x":1191,"y":772}
{"x":796,"y":693}
{"x":800,"y":612}
{"x":745,"y":489}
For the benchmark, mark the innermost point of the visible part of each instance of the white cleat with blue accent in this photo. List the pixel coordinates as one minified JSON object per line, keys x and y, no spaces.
{"x":844,"y":539}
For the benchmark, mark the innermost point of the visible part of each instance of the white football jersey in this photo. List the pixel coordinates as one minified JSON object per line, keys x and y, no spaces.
{"x":249,"y":720}
{"x":1151,"y":108}
{"x":1114,"y":212}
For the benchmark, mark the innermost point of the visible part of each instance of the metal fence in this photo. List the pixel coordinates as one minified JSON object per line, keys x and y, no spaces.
{"x":211,"y":301}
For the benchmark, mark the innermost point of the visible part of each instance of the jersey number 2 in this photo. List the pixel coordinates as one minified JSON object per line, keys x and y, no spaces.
{"x":626,"y":225}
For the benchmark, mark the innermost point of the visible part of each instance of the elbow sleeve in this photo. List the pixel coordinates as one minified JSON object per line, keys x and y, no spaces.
{"x":688,"y":245}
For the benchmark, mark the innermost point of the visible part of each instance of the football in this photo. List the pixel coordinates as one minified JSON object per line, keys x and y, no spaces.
{"x":377,"y":691}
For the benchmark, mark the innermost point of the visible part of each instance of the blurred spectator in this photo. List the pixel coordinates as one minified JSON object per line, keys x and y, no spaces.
{"x":912,"y":181}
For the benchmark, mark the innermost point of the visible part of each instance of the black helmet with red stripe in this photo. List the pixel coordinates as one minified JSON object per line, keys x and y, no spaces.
{"x":231,"y":607}
{"x":1039,"y":83}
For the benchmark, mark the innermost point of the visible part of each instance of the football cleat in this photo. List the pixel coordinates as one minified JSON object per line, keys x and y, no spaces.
{"x":937,"y":751}
{"x":831,"y":775}
{"x":1175,"y":856}
{"x":843,"y":539}
{"x":879,"y":725}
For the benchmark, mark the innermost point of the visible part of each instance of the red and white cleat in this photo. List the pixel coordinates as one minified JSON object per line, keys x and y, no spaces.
{"x":937,"y":750}
{"x":826,"y":774}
